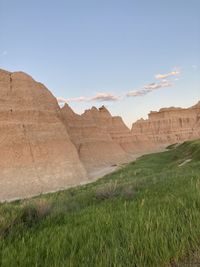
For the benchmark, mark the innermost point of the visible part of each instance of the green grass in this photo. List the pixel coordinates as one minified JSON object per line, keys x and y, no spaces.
{"x":145,"y":214}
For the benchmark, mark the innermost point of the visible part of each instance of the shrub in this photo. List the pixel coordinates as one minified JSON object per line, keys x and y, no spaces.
{"x":128,"y":192}
{"x":106,"y":191}
{"x":28,"y":216}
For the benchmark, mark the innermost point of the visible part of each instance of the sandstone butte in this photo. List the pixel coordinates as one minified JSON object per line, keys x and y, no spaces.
{"x":169,"y":126}
{"x":46,"y":148}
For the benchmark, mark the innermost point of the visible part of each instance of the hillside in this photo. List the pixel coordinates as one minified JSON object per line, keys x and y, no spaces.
{"x":145,"y":214}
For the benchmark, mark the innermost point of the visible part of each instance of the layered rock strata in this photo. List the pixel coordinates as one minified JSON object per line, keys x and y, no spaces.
{"x":95,"y":137}
{"x":168,"y":126}
{"x":45,"y":148}
{"x":36,"y":153}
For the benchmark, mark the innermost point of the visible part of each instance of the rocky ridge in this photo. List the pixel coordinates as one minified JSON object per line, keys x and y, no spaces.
{"x":95,"y":137}
{"x":45,"y":148}
{"x":169,"y":125}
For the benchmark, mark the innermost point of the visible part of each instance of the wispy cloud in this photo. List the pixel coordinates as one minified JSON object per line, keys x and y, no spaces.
{"x":155,"y":86}
{"x":149,"y":88}
{"x":74,"y":99}
{"x":136,"y":93}
{"x":167,"y":75}
{"x":104,"y":96}
{"x":99,"y":97}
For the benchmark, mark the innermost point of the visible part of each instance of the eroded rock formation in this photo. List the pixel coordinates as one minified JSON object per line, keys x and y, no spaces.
{"x":36,"y":153}
{"x":45,"y":148}
{"x":168,"y":126}
{"x":97,"y":136}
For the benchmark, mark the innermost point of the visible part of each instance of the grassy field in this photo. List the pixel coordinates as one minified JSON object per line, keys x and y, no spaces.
{"x":145,"y":214}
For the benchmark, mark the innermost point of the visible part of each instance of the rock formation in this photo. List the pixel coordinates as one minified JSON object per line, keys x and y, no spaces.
{"x":45,"y":148}
{"x":36,"y":153}
{"x":97,"y":136}
{"x":168,"y":126}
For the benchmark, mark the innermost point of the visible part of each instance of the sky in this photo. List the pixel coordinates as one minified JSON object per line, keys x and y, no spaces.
{"x":132,"y":56}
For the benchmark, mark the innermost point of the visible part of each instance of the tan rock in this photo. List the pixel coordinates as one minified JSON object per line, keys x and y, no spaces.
{"x":169,"y":125}
{"x":44,"y":148}
{"x":36,"y":153}
{"x":90,"y":132}
{"x":118,"y":131}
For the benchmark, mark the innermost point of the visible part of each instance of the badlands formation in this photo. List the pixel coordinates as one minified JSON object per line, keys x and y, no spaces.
{"x":45,"y":148}
{"x":100,"y":139}
{"x":36,"y":153}
{"x":169,"y":126}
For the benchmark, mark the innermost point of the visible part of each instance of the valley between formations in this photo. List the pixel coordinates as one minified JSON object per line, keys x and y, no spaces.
{"x":45,"y":148}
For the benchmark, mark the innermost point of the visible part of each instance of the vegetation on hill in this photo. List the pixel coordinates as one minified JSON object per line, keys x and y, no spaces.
{"x":145,"y":214}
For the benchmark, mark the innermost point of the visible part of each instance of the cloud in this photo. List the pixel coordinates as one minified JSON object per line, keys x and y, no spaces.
{"x":137,"y":93}
{"x":103,"y":96}
{"x":155,"y":86}
{"x":99,"y":97}
{"x":167,"y":75}
{"x":149,"y":88}
{"x":75,"y":99}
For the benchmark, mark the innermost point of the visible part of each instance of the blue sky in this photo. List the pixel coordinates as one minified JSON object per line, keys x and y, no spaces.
{"x":113,"y":47}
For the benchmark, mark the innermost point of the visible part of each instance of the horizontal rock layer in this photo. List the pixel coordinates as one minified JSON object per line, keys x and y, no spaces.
{"x":45,"y":148}
{"x":169,"y":125}
{"x":96,"y":136}
{"x":36,"y":153}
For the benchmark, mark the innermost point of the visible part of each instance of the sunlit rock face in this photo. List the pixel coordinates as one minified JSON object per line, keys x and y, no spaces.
{"x":95,"y":137}
{"x":36,"y":153}
{"x":169,"y":125}
{"x":45,"y":148}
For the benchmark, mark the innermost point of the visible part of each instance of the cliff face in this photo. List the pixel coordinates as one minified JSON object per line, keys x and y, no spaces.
{"x":114,"y":127}
{"x":44,"y":148}
{"x":95,"y":136}
{"x":169,"y":125}
{"x":36,"y":153}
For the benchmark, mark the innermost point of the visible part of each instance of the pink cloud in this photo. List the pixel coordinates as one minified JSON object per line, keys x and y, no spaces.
{"x":99,"y":97}
{"x":149,"y":88}
{"x":167,"y":75}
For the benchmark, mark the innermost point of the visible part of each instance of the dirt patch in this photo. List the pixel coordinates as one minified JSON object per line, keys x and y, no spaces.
{"x":184,"y":162}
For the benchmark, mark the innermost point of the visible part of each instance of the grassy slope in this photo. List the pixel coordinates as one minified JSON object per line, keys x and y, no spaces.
{"x":146,"y":214}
